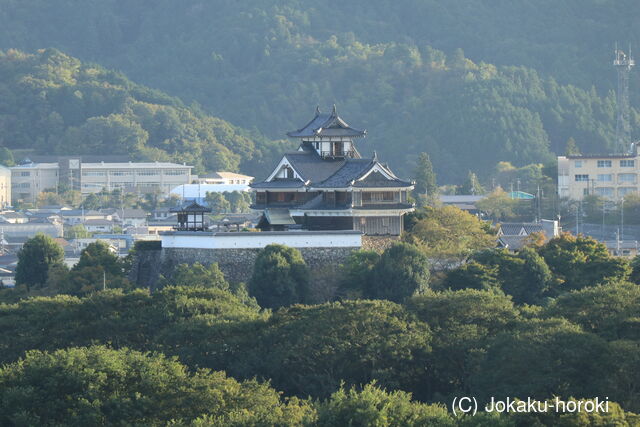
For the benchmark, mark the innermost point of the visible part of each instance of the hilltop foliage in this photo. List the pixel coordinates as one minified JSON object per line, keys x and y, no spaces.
{"x":518,"y":94}
{"x":55,"y":104}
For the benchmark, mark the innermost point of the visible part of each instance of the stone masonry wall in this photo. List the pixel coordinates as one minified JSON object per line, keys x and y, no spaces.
{"x":236,"y":264}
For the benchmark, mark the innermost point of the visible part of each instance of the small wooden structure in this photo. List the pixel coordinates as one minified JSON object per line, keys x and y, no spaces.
{"x":191,"y":217}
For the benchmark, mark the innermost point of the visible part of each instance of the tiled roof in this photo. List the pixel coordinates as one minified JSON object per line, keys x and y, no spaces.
{"x":327,"y":125}
{"x":279,"y":183}
{"x":312,"y":167}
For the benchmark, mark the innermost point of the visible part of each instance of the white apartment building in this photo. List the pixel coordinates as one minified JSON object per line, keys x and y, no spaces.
{"x":609,"y":176}
{"x":30,"y":179}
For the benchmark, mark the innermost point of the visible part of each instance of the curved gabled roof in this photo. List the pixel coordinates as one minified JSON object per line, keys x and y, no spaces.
{"x":328,"y":124}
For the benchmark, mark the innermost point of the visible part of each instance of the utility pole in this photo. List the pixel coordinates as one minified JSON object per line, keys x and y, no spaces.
{"x":104,"y":280}
{"x":622,"y":218}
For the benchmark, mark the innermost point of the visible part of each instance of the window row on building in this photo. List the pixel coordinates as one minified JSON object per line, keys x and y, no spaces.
{"x":630,"y":178}
{"x":624,"y":163}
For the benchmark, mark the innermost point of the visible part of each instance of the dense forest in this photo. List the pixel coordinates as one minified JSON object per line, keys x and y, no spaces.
{"x":526,"y":82}
{"x":392,"y":345}
{"x":54,"y":104}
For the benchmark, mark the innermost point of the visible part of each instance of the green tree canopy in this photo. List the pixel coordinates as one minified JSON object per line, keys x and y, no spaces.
{"x":426,"y":188}
{"x":280,"y":277}
{"x":448,"y":233}
{"x":401,"y":271}
{"x":97,"y":386}
{"x":198,"y":275}
{"x":35,"y":258}
{"x":582,"y":261}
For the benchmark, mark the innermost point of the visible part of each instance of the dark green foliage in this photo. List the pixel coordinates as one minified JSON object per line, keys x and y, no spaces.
{"x":471,"y":185}
{"x":524,"y":276}
{"x":472,"y":275}
{"x":135,"y":320}
{"x":98,"y":268}
{"x":357,"y":274}
{"x":147,"y":245}
{"x":280,"y":277}
{"x":582,"y":261}
{"x":426,"y":188}
{"x":197,"y":275}
{"x":401,"y":271}
{"x":98,"y":386}
{"x":60,"y":105}
{"x":310,"y":350}
{"x":462,"y":322}
{"x":6,"y":157}
{"x":611,"y":311}
{"x":542,"y":358}
{"x":35,"y":258}
{"x":373,"y":406}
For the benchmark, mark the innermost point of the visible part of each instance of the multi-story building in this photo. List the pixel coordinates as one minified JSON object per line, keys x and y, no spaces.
{"x":30,"y":179}
{"x":327,"y":185}
{"x":225,"y":178}
{"x":133,"y":177}
{"x":5,"y":186}
{"x":610,"y":176}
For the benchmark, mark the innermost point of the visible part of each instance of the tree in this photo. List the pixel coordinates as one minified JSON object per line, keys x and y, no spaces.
{"x":498,"y":205}
{"x":280,"y":277}
{"x":217,"y":202}
{"x":448,"y":233}
{"x":198,"y":275}
{"x":77,"y":231}
{"x":426,"y":188}
{"x":357,"y":273}
{"x":572,"y":148}
{"x":472,"y":275}
{"x":100,"y":386}
{"x":373,"y":406}
{"x":582,"y":261}
{"x":401,"y":271}
{"x":462,"y":323}
{"x":540,"y":358}
{"x":35,"y":258}
{"x":471,"y":185}
{"x":6,"y":157}
{"x":311,"y":350}
{"x":97,"y":268}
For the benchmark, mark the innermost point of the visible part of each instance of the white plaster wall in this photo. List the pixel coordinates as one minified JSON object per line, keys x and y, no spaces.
{"x":260,"y":240}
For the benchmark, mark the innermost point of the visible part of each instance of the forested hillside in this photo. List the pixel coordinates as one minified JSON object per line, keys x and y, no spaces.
{"x":53,"y":103}
{"x":396,"y":71}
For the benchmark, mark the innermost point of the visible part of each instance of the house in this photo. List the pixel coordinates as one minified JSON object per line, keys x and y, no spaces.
{"x":514,"y":235}
{"x":77,"y":216}
{"x":98,"y":225}
{"x":327,"y":185}
{"x":465,"y":202}
{"x":130,"y":217}
{"x":14,"y":217}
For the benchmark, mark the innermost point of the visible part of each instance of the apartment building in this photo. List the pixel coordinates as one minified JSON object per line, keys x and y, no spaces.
{"x":29,"y":178}
{"x":609,"y":176}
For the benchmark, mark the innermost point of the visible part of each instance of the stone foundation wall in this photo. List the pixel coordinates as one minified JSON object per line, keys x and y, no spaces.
{"x":378,"y":243}
{"x":236,"y":264}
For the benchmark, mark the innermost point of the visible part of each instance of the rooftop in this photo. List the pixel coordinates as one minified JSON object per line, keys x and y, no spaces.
{"x":328,"y":124}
